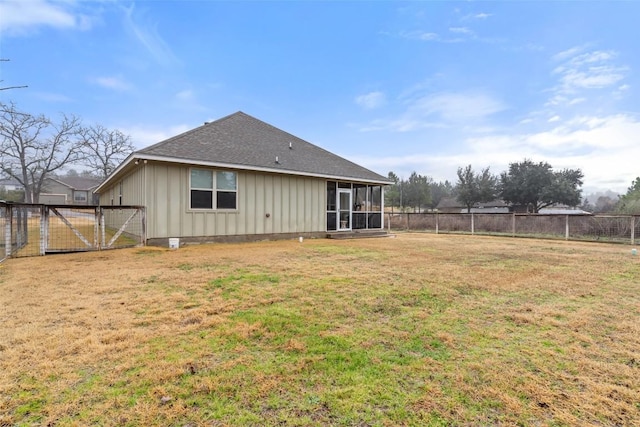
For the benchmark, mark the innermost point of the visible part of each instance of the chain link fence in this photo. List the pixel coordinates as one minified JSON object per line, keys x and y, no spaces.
{"x":605,"y":228}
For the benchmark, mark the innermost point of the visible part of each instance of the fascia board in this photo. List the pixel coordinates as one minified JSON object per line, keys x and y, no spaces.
{"x":137,"y":156}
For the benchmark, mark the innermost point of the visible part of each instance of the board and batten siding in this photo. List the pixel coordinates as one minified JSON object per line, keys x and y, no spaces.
{"x":132,"y":194}
{"x":133,"y":186}
{"x":267,"y":204}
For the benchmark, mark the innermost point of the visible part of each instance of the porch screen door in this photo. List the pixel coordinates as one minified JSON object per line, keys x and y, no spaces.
{"x":344,"y":209}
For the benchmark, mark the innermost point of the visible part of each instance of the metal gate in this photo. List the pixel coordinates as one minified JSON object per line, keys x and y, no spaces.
{"x":38,"y":229}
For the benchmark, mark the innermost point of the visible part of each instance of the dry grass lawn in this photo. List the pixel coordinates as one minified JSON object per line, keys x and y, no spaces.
{"x":420,"y":329}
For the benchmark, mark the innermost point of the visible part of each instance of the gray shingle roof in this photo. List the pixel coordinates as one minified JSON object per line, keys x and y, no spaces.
{"x":79,"y":182}
{"x":248,"y":143}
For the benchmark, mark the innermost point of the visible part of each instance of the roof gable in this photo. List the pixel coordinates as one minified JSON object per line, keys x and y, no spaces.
{"x":243,"y":141}
{"x":78,"y":182}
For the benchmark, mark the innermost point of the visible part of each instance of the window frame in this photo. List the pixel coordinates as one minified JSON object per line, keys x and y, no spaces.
{"x":78,"y":193}
{"x":214,"y":190}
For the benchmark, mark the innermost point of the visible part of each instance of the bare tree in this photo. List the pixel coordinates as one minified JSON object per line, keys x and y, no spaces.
{"x":104,"y":149}
{"x":10,"y":87}
{"x":34,"y":147}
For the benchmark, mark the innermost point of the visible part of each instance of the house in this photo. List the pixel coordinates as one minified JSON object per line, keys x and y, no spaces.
{"x":11,"y":184}
{"x":451,"y":205}
{"x":239,"y":178}
{"x":72,"y":190}
{"x":563,"y":210}
{"x":11,"y":190}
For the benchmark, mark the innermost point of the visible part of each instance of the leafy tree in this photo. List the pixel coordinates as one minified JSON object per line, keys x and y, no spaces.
{"x":630,"y":202}
{"x":536,"y":185}
{"x":473,"y":188}
{"x":104,"y":149}
{"x":439,"y":191}
{"x":33,"y":147}
{"x":392,"y":193}
{"x":418,"y":192}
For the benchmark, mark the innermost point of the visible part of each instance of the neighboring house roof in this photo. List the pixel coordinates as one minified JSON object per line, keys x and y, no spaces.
{"x":10,"y":182}
{"x":563,"y":211}
{"x":500,"y":206}
{"x":448,"y":203}
{"x":493,"y":204}
{"x":78,"y":182}
{"x":453,"y":203}
{"x":240,"y":141}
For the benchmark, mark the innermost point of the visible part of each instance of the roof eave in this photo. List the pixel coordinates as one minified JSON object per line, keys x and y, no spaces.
{"x":116,"y":172}
{"x":138,"y":156}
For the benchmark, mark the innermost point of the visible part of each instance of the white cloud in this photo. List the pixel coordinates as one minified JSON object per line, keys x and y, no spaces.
{"x":554,"y":119}
{"x":461,"y":30}
{"x":595,"y":56}
{"x":185,"y":95}
{"x":371,"y":100}
{"x":420,"y":35}
{"x":457,"y":107}
{"x":559,"y":99}
{"x":20,"y":17}
{"x":440,"y":110}
{"x":147,"y":35}
{"x":454,"y":35}
{"x":580,"y":71}
{"x":590,"y":143}
{"x":592,"y":78}
{"x":569,"y":53}
{"x":112,"y":82}
{"x":481,"y":15}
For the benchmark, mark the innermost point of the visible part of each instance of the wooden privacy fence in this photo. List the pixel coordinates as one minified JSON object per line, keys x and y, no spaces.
{"x":605,"y":228}
{"x":37,"y":229}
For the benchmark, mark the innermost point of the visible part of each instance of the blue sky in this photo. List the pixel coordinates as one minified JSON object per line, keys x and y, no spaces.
{"x":401,"y":86}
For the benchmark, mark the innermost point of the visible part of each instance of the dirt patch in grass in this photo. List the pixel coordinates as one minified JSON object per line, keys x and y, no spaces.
{"x":415,"y":330}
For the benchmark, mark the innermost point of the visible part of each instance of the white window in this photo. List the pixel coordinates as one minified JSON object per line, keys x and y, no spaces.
{"x":213,"y":189}
{"x":80,"y":196}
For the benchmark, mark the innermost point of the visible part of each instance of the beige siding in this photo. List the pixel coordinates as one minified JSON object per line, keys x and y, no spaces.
{"x":294,"y":204}
{"x":132,"y":194}
{"x":58,"y":191}
{"x":132,"y":190}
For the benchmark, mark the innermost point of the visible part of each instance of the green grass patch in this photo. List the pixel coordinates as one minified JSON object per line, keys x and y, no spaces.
{"x":418,"y":330}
